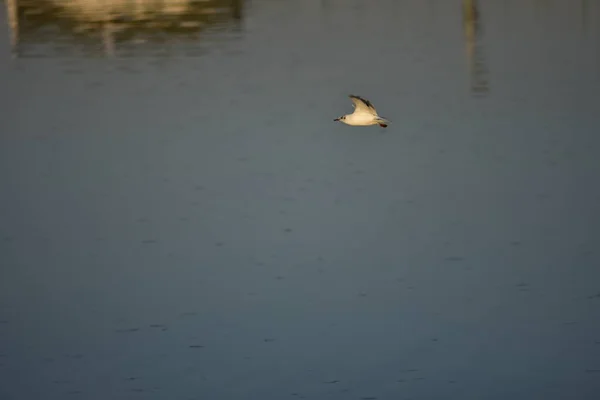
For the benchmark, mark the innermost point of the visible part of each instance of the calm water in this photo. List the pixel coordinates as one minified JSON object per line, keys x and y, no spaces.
{"x":182,"y":219}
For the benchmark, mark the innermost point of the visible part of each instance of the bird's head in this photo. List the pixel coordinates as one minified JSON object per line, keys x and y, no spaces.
{"x":343,"y":117}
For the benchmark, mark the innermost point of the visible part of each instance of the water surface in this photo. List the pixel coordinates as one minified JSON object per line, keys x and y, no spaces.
{"x":182,"y":219}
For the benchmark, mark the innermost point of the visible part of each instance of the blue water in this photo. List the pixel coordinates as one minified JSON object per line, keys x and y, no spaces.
{"x":180,"y":217}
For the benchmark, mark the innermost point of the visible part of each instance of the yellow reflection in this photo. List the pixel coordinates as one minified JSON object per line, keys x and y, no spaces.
{"x":475,"y":58}
{"x":13,"y":24}
{"x":112,"y":27}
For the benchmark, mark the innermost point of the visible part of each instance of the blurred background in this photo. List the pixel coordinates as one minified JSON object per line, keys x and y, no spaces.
{"x":180,"y":217}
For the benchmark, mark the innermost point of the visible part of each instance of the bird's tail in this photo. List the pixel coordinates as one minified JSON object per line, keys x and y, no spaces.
{"x":383,"y":122}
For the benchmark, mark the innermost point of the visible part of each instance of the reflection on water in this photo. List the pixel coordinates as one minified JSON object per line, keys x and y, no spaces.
{"x":475,"y":57}
{"x":584,"y":10}
{"x":116,"y":27}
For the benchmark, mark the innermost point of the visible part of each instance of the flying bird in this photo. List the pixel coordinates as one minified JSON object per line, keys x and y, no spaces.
{"x":364,"y":114}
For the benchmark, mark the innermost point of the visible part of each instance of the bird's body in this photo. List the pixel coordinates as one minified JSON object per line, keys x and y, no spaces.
{"x":364,"y":114}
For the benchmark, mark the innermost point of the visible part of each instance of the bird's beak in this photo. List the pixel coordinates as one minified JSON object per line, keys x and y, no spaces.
{"x":337,"y":119}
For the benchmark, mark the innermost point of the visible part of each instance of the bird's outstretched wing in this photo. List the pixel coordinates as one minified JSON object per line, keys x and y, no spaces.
{"x":362,"y":105}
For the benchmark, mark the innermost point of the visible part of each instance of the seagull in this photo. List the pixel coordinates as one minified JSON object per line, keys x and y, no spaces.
{"x":364,"y":114}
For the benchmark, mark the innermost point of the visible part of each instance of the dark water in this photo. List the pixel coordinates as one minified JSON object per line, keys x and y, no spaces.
{"x":180,"y":217}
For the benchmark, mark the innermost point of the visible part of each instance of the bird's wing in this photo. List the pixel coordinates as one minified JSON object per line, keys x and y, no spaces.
{"x":362,"y":105}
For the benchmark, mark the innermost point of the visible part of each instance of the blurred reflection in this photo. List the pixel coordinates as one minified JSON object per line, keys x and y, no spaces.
{"x":584,"y":11}
{"x":13,"y":24}
{"x":475,"y":58}
{"x":118,"y":27}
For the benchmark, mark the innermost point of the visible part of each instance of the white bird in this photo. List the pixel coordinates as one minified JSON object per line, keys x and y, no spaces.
{"x":364,"y":114}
